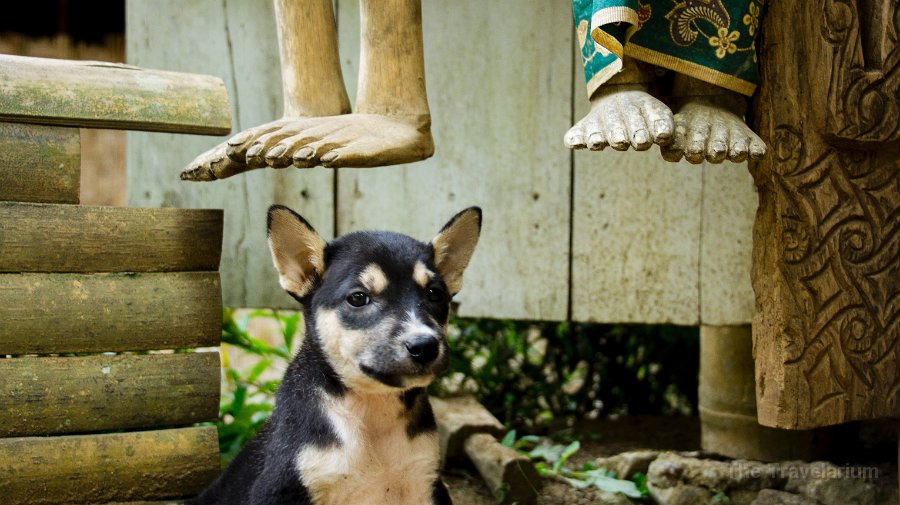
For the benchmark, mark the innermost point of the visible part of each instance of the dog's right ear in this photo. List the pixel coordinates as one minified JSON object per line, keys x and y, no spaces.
{"x":298,"y":252}
{"x":454,"y":245}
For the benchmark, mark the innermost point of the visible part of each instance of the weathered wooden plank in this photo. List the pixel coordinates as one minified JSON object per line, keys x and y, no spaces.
{"x":57,"y":395}
{"x":152,"y":465}
{"x":729,"y":204}
{"x":636,"y":227}
{"x":75,"y":313}
{"x":77,"y":238}
{"x":236,"y":41}
{"x":110,"y":95}
{"x":39,"y":163}
{"x":642,"y":229}
{"x":636,"y":238}
{"x":506,"y":155}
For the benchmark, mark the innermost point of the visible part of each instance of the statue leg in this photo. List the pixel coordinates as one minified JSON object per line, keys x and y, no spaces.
{"x":311,"y":82}
{"x":392,"y":122}
{"x":623,"y":114}
{"x":709,"y":125}
{"x":391,"y":125}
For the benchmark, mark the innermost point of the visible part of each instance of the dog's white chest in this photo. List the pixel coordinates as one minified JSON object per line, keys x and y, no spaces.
{"x":376,"y":462}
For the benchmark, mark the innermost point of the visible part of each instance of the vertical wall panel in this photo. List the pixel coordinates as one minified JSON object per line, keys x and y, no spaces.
{"x":729,"y":206}
{"x":636,"y":238}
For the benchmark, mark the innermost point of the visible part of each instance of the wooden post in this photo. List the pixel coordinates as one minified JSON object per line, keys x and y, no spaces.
{"x":79,"y":313}
{"x":76,"y":238}
{"x":827,"y":233}
{"x":57,"y":395}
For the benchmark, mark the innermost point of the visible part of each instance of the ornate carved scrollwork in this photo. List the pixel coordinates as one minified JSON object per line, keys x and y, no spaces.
{"x":863,"y":106}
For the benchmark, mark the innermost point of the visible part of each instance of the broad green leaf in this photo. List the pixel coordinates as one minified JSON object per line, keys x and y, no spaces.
{"x":567,"y":453}
{"x":611,"y":485}
{"x":547,"y":452}
{"x":509,"y":440}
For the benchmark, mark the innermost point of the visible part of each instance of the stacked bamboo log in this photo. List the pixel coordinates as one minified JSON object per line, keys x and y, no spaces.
{"x":98,"y":403}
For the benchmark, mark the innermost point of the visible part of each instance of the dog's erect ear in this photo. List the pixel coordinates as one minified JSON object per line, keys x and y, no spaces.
{"x":297,"y":250}
{"x":454,"y":245}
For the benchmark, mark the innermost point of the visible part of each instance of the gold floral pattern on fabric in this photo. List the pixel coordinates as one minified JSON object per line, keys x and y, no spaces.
{"x":751,"y":19}
{"x":724,"y":42}
{"x":688,"y":17}
{"x":683,"y":19}
{"x":710,"y":40}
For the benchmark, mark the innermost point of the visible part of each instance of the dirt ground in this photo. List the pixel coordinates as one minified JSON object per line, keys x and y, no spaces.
{"x":598,"y":439}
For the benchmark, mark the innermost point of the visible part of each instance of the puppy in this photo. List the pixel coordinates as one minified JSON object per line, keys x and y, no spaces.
{"x":352,"y":423}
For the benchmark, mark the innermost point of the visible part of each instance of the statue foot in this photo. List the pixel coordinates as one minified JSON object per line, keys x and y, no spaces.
{"x":230,"y":157}
{"x":622,"y":116}
{"x":706,"y":131}
{"x":347,"y":140}
{"x":213,"y":165}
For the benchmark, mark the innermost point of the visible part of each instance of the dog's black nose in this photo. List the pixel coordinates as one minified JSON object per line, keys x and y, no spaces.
{"x":423,"y":348}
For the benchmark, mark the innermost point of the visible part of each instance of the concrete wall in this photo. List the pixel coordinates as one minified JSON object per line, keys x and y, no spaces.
{"x":611,"y":237}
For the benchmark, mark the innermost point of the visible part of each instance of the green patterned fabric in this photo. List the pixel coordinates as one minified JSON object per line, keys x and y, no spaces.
{"x":711,"y":40}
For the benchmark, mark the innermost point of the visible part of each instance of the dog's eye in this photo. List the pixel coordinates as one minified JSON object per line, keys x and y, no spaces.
{"x":436,"y":295}
{"x":358,"y":299}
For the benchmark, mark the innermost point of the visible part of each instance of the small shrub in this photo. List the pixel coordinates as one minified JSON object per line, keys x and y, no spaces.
{"x":537,"y":375}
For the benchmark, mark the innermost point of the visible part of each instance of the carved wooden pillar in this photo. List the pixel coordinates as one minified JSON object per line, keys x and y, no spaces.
{"x":826,"y":265}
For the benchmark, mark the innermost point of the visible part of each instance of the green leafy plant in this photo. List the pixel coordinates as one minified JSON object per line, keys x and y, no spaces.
{"x":248,"y":393}
{"x":640,"y":480}
{"x":551,"y":458}
{"x":234,"y":332}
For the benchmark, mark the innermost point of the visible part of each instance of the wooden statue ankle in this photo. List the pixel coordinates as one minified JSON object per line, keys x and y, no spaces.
{"x":709,"y":125}
{"x":623,"y":114}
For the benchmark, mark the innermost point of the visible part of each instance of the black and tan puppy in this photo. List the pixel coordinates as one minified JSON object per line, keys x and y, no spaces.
{"x":352,"y":423}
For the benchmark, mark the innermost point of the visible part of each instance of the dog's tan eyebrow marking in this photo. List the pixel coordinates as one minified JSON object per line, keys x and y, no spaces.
{"x":421,"y":274}
{"x":373,"y":278}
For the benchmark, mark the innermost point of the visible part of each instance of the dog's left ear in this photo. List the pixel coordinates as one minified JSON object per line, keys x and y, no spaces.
{"x":297,"y":251}
{"x":454,"y":245}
